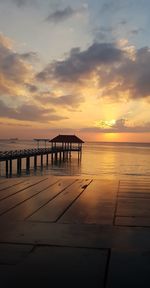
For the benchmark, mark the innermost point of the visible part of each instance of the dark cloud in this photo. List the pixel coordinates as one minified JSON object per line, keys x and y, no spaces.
{"x":13,"y":68}
{"x":16,"y":70}
{"x":80,"y":63}
{"x":29,"y":112}
{"x":120,"y":71}
{"x":61,"y":15}
{"x":32,"y":88}
{"x":111,"y":6}
{"x":21,"y":3}
{"x":29,"y":56}
{"x":72,"y":101}
{"x":136,"y":31}
{"x":131,"y":76}
{"x":123,"y":22}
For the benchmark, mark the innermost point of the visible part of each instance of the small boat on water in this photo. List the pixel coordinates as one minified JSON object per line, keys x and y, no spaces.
{"x":13,"y":140}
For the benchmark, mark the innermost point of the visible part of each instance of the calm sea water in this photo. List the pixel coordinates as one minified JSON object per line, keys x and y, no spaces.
{"x":107,"y":160}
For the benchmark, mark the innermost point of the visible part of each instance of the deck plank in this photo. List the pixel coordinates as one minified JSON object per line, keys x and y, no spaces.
{"x":20,"y":187}
{"x":134,"y":194}
{"x":133,"y":221}
{"x":96,"y":205}
{"x":11,"y":183}
{"x":133,"y":207}
{"x":31,"y":205}
{"x":54,"y":209}
{"x":142,"y":189}
{"x":23,"y":195}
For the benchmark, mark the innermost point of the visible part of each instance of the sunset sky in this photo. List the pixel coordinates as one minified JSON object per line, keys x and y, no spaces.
{"x":75,"y":67}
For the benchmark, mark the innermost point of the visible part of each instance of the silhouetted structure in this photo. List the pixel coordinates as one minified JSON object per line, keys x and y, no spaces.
{"x":67,"y":142}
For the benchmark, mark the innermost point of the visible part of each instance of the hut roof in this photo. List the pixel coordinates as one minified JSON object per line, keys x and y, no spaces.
{"x":66,"y":139}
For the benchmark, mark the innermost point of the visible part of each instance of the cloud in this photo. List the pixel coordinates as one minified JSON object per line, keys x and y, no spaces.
{"x":15,"y":69}
{"x":29,"y":56}
{"x":22,"y":3}
{"x":121,"y":71}
{"x":29,"y":112}
{"x":123,"y":22}
{"x":103,"y":33}
{"x":111,"y":6}
{"x":80,"y":63}
{"x":119,"y":127}
{"x":63,"y":14}
{"x":32,"y":88}
{"x":15,"y":124}
{"x":136,"y":31}
{"x":132,"y":76}
{"x":72,"y":101}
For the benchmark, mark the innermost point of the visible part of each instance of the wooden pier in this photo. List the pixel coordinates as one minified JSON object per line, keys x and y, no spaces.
{"x":61,"y":148}
{"x":57,"y":154}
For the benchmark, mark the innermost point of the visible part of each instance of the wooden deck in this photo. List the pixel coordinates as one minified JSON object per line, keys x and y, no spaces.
{"x":74,"y":232}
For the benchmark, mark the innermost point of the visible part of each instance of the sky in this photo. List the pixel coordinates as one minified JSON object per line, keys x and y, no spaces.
{"x":75,"y":67}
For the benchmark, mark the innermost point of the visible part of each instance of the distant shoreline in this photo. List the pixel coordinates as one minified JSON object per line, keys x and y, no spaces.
{"x":92,"y":142}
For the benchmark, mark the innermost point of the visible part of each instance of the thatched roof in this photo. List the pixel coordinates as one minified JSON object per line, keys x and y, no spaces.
{"x":66,"y":139}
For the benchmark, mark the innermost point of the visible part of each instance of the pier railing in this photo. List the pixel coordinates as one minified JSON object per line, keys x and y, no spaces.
{"x":14,"y":154}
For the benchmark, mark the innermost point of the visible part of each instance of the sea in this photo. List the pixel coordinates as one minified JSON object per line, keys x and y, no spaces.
{"x":99,"y":160}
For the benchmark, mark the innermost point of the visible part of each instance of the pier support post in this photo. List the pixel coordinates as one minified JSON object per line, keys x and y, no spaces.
{"x":59,"y":156}
{"x":52,"y":158}
{"x":6,"y":168}
{"x":27,"y":164}
{"x":41,"y":160}
{"x":47,"y":159}
{"x":10,"y":167}
{"x":70,"y":155}
{"x":35,"y":161}
{"x":67,"y":155}
{"x":55,"y":157}
{"x":18,"y":166}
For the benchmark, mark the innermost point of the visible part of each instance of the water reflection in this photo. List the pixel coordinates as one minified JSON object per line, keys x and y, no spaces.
{"x":106,"y":160}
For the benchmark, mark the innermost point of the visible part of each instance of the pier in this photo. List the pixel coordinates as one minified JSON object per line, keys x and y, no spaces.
{"x":61,"y":149}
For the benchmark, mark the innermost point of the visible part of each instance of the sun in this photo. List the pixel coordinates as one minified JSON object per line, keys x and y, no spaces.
{"x":111,"y":137}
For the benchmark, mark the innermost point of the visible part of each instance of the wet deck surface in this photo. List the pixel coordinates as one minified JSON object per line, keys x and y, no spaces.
{"x":75,"y":232}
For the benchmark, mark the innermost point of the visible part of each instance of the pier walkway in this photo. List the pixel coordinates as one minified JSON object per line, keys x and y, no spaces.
{"x":69,"y":232}
{"x":56,"y":153}
{"x":24,"y":153}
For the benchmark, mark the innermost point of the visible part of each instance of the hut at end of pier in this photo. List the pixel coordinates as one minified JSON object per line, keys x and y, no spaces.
{"x":67,"y":142}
